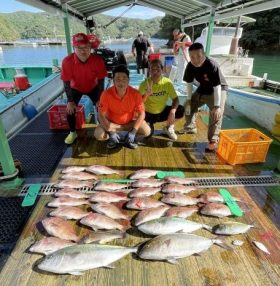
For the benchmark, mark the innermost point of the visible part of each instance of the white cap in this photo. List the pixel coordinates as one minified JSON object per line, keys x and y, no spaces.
{"x":140,"y":33}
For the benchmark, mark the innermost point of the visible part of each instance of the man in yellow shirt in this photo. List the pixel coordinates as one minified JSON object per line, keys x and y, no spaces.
{"x":156,"y":90}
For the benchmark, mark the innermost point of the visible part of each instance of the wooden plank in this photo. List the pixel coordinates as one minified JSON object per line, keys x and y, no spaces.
{"x":246,"y":265}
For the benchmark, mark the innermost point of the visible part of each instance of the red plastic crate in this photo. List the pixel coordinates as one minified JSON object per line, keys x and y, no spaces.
{"x":58,"y":117}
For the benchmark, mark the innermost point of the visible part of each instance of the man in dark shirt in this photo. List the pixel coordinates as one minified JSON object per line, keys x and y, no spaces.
{"x":141,"y":44}
{"x":212,"y":90}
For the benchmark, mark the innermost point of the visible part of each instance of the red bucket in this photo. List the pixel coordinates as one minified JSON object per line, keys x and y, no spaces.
{"x":21,"y":82}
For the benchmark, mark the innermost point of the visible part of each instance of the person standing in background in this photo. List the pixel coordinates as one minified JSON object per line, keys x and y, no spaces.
{"x":141,"y":45}
{"x":82,"y":73}
{"x":212,"y":90}
{"x":180,"y":49}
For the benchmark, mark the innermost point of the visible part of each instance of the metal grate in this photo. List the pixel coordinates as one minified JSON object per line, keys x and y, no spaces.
{"x":202,"y":183}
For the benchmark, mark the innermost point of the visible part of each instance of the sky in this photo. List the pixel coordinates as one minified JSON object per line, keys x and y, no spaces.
{"x":9,"y":6}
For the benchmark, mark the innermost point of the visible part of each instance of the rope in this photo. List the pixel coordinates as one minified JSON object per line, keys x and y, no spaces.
{"x":2,"y":178}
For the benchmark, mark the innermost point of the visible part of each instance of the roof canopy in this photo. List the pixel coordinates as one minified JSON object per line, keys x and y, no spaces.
{"x":192,"y":12}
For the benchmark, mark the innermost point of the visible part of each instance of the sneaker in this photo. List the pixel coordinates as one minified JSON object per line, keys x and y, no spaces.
{"x":72,"y":136}
{"x":170,"y":132}
{"x":188,"y":130}
{"x":131,"y":145}
{"x":111,"y":144}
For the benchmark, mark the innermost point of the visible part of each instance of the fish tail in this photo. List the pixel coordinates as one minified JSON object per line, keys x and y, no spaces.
{"x":208,"y":227}
{"x":220,"y":242}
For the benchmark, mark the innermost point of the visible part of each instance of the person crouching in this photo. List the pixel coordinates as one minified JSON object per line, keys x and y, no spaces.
{"x":121,"y":108}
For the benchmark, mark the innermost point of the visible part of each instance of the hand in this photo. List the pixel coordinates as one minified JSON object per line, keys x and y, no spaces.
{"x":216,"y":113}
{"x":171,"y":117}
{"x":115,"y":137}
{"x":149,"y":90}
{"x":130,"y":137}
{"x":71,"y":107}
{"x":133,"y":54}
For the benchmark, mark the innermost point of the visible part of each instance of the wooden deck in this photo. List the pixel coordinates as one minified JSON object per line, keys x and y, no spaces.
{"x":245,"y":265}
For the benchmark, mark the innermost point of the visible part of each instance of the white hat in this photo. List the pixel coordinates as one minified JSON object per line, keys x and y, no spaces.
{"x":140,"y":33}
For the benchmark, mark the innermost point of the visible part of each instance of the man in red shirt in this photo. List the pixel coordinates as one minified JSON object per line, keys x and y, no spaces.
{"x":82,"y":73}
{"x":121,"y":108}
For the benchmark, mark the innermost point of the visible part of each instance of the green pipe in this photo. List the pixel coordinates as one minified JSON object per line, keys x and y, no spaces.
{"x":210,"y":33}
{"x":6,"y":157}
{"x":67,"y":31}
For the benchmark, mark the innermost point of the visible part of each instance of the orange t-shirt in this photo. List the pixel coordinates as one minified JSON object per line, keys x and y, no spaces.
{"x":121,"y":110}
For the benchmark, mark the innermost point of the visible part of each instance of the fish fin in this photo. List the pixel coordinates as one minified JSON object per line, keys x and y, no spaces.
{"x":172,"y":260}
{"x":77,"y":273}
{"x":109,"y":266}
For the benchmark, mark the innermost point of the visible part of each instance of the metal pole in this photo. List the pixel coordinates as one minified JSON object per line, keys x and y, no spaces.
{"x":67,"y":30}
{"x":6,"y":157}
{"x":210,"y":33}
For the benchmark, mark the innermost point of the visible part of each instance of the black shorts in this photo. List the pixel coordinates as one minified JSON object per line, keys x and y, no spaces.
{"x":161,"y":117}
{"x":93,"y":95}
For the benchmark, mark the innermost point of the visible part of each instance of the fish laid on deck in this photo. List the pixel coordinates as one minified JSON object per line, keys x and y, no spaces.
{"x":231,"y":227}
{"x":69,"y":212}
{"x":80,"y":176}
{"x":97,"y":221}
{"x":109,"y":187}
{"x":143,"y":203}
{"x":71,"y":193}
{"x":166,"y":225}
{"x":101,"y":170}
{"x":109,"y":210}
{"x":72,"y":169}
{"x":147,"y":183}
{"x":48,"y":245}
{"x":182,"y":212}
{"x":171,"y":247}
{"x":150,"y":214}
{"x":213,"y":197}
{"x":78,"y":258}
{"x":143,"y":174}
{"x":178,"y":180}
{"x":60,"y":228}
{"x":67,"y":201}
{"x":107,"y":197}
{"x":143,"y":192}
{"x":177,"y":188}
{"x":103,"y":236}
{"x":215,"y":209}
{"x":179,"y":199}
{"x":75,"y":184}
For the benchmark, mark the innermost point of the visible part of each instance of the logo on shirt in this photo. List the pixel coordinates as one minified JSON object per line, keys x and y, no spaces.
{"x":205,"y":77}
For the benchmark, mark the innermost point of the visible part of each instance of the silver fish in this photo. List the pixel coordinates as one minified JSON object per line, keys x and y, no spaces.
{"x":109,"y":187}
{"x":171,"y":247}
{"x":97,"y":221}
{"x":68,"y":212}
{"x":182,"y":212}
{"x":143,"y":192}
{"x":143,"y":203}
{"x":80,"y":176}
{"x":150,"y":183}
{"x":261,"y":246}
{"x":213,"y":197}
{"x":72,"y":169}
{"x":67,"y":201}
{"x":107,"y":197}
{"x":177,"y":188}
{"x":78,"y":258}
{"x":102,"y":236}
{"x":178,"y":180}
{"x":60,"y":228}
{"x":48,"y":245}
{"x":150,"y":214}
{"x":215,"y":209}
{"x":75,"y":184}
{"x":237,"y":242}
{"x":179,"y":199}
{"x":102,"y":170}
{"x":231,"y":228}
{"x":109,"y":210}
{"x":72,"y":193}
{"x":166,"y":225}
{"x":143,"y":174}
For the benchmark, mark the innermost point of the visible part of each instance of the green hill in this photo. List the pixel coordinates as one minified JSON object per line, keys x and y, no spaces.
{"x":26,"y":25}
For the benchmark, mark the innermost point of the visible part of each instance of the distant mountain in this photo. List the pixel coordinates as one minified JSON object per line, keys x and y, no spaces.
{"x":26,"y":25}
